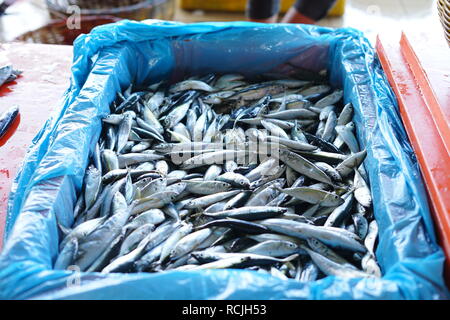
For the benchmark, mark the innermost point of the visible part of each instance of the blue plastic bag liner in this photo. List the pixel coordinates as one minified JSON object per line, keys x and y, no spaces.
{"x":111,"y":57}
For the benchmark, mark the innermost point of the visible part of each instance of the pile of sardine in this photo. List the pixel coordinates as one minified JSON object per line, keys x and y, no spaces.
{"x":226,"y":172}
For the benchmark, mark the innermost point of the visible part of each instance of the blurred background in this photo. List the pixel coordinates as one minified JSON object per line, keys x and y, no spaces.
{"x":60,"y":21}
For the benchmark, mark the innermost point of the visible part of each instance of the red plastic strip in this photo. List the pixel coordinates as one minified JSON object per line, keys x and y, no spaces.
{"x":425,"y":138}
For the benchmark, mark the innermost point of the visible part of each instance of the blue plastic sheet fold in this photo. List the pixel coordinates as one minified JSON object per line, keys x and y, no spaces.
{"x":111,"y":57}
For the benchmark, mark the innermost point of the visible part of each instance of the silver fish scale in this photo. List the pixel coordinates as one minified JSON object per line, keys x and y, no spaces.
{"x":222,"y":172}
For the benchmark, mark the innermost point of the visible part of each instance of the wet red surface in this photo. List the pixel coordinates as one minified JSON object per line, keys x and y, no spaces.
{"x":46,"y":74}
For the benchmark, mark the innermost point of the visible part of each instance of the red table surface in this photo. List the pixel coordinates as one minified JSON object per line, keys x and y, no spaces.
{"x":46,"y":74}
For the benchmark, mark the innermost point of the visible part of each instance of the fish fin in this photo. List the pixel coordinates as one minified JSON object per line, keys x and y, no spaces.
{"x":201,"y":211}
{"x":290,"y":258}
{"x":75,"y":252}
{"x":65,"y":231}
{"x":277,"y":188}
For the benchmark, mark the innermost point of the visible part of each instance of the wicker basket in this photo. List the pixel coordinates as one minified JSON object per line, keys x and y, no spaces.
{"x":239,"y":6}
{"x":57,"y":32}
{"x":126,"y":9}
{"x":444,"y":15}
